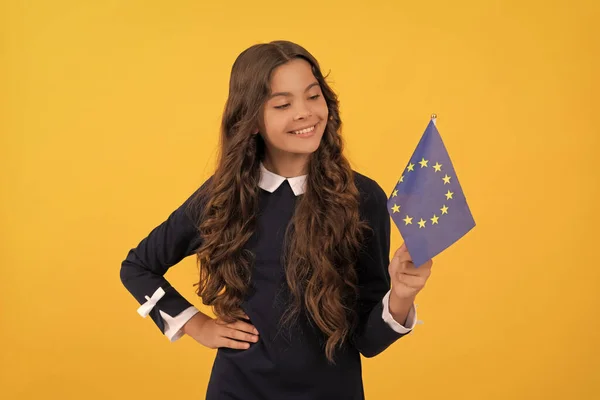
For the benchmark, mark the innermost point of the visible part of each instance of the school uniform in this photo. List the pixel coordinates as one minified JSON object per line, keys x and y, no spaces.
{"x":283,"y":364}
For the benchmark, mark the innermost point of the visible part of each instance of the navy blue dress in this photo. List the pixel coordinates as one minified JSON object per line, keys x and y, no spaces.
{"x":283,"y":364}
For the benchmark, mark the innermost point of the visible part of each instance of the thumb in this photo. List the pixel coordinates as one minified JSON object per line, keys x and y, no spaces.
{"x":401,"y":250}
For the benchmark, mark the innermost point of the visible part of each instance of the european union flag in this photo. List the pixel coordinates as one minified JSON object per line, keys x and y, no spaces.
{"x":428,"y":205}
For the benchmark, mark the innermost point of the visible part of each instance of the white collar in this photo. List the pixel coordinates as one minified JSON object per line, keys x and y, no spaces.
{"x":270,"y":181}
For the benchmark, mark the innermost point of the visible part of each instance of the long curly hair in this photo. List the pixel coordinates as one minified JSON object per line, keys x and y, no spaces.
{"x":319,"y":268}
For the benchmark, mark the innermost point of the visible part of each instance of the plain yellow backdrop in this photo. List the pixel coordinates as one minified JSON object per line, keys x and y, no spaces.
{"x":109,"y":118}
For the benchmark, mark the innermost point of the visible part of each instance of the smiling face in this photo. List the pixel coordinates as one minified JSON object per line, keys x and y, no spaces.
{"x":295,"y":114}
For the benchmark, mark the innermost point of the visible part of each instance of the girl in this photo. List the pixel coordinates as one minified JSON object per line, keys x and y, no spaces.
{"x":292,"y":245}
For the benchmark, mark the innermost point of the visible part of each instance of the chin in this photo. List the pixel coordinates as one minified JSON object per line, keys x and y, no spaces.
{"x":306,"y":146}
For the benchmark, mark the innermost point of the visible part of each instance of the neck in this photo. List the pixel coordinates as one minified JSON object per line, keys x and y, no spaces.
{"x":288,"y":165}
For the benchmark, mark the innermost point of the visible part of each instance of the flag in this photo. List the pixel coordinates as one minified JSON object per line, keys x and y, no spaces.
{"x":428,"y":204}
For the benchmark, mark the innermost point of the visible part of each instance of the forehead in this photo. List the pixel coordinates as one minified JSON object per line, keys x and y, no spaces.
{"x":293,"y":76}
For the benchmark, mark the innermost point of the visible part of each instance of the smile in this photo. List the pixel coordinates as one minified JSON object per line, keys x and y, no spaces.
{"x":304,"y":131}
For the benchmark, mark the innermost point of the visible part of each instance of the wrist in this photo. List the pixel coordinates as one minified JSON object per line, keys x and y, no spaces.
{"x":195,"y":323}
{"x":399,"y":307}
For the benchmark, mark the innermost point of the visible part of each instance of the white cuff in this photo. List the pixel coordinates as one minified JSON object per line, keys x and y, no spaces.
{"x":145,"y":308}
{"x":411,"y":319}
{"x":173,"y":324}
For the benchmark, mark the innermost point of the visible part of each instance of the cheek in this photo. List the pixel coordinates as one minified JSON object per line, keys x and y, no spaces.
{"x":275,"y":122}
{"x":321,"y":108}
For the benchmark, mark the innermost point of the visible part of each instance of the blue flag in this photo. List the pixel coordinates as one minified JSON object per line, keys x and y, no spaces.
{"x":428,"y":205}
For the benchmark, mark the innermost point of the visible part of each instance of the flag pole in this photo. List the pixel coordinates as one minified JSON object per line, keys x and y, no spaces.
{"x":433,"y":118}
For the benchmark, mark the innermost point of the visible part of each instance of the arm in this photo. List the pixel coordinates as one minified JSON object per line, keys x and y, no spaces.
{"x":142,"y":272}
{"x":379,"y":324}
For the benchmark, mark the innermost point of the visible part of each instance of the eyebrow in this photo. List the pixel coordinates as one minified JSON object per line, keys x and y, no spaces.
{"x":289,"y":94}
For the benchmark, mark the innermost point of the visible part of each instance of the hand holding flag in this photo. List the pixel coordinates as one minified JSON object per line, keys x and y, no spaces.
{"x":407,"y":279}
{"x":407,"y":282}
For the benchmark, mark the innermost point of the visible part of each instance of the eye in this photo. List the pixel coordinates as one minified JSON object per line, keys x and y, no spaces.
{"x":316,"y":96}
{"x":281,"y":107}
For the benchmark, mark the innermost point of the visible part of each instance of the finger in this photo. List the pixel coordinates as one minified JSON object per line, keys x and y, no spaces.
{"x":234,"y":344}
{"x":397,"y":266}
{"x":410,"y":268}
{"x":221,"y":322}
{"x":418,"y":273}
{"x":402,"y":254}
{"x":400,"y":258}
{"x":245,"y":316}
{"x":239,"y":335}
{"x":412,"y":281}
{"x":242,"y":315}
{"x":244,"y":326}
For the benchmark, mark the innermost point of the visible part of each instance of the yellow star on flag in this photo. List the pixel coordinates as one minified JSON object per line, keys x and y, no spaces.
{"x":423,"y":162}
{"x":437,"y":167}
{"x":446,"y":179}
{"x":410,"y":167}
{"x":395,"y":193}
{"x":449,"y":195}
{"x":421,"y":223}
{"x":401,"y":179}
{"x":396,"y":208}
{"x":434,"y":219}
{"x":407,"y":220}
{"x":444,"y":210}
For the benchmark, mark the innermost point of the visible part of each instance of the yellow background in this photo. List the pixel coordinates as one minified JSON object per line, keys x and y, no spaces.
{"x":109,"y":120}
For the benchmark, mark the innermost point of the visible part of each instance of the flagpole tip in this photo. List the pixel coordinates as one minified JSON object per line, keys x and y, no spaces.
{"x":433,"y":118}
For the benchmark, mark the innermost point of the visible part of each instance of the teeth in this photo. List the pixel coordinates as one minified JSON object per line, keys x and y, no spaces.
{"x":300,"y":132}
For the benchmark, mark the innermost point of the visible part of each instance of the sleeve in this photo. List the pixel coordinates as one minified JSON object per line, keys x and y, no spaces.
{"x":173,"y":325}
{"x":374,"y":334}
{"x":411,"y":319}
{"x":142,"y":272}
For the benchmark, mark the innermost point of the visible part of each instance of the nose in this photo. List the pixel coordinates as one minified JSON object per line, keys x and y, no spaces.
{"x":303,"y":111}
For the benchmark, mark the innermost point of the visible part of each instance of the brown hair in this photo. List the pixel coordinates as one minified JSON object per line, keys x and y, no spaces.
{"x":320,"y":268}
